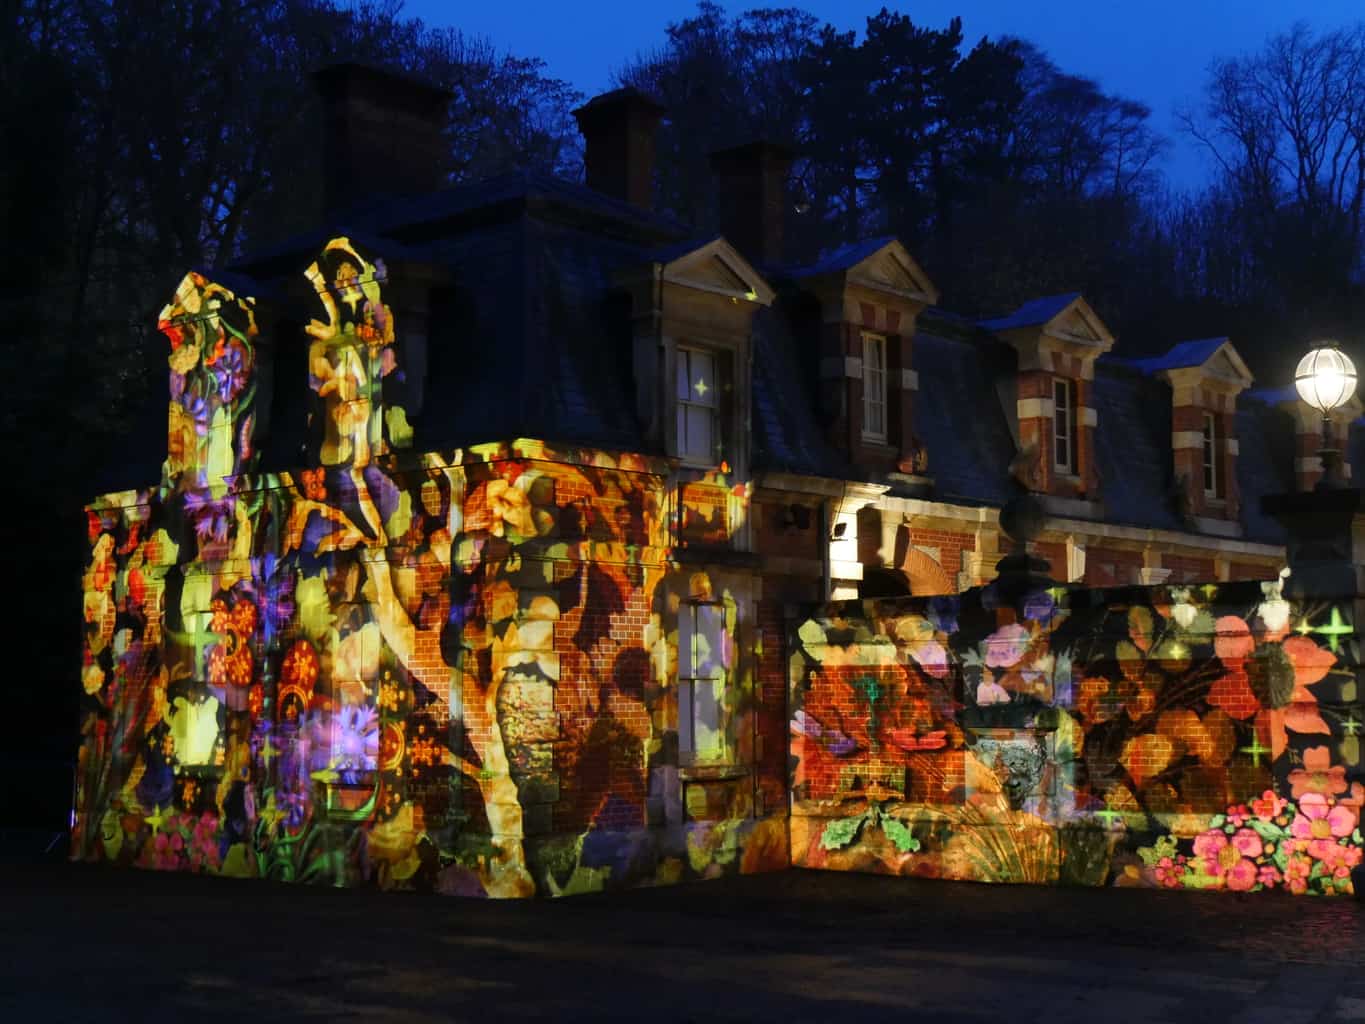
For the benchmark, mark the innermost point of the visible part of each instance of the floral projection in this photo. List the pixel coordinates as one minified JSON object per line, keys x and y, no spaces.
{"x":452,"y":671}
{"x":213,"y":382}
{"x":1197,"y":737}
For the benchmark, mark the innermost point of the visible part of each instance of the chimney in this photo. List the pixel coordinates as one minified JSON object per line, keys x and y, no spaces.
{"x":618,"y":129}
{"x":382,"y":134}
{"x":751,"y":185}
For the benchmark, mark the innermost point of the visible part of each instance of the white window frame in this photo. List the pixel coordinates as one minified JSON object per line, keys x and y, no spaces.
{"x":1213,"y":459}
{"x":690,"y":682}
{"x":1064,"y":416}
{"x":874,"y":387}
{"x":709,"y":401}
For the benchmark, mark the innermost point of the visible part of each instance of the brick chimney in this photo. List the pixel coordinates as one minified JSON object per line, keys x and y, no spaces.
{"x":751,"y":188}
{"x":383,"y":134}
{"x":618,"y":129}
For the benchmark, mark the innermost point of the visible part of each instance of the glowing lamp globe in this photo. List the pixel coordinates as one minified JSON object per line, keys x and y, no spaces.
{"x":1325,"y":378}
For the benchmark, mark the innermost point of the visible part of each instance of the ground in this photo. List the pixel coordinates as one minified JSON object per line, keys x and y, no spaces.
{"x":95,"y":943}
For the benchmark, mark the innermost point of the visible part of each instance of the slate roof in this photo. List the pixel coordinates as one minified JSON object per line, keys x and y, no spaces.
{"x":787,"y":435}
{"x":1183,"y":355}
{"x":960,"y":416}
{"x":531,"y":339}
{"x":842,"y":258}
{"x":1032,"y":313}
{"x":1265,"y":463}
{"x":1133,"y":447}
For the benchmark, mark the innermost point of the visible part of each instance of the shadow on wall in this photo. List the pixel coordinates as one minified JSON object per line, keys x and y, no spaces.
{"x":1201,"y":737}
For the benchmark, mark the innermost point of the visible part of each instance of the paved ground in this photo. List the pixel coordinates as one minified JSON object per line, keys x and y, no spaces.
{"x":87,"y":943}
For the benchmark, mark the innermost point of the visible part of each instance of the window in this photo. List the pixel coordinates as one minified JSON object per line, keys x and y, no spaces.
{"x":698,"y":396}
{"x":1064,"y":424}
{"x":1213,"y":457}
{"x":704,"y":661}
{"x":874,"y":387}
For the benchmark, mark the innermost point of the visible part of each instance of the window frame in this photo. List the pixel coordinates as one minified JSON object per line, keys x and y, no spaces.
{"x":709,"y":401}
{"x":1214,"y":461}
{"x":687,"y":685}
{"x":875,"y":395}
{"x":1064,"y":413}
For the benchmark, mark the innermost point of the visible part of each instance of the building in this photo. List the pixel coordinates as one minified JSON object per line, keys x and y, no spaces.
{"x":482,"y":511}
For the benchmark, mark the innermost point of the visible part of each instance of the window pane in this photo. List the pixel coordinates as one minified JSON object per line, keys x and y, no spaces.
{"x":708,"y":719}
{"x":699,"y":432}
{"x":874,"y":386}
{"x":1061,"y":395}
{"x":1063,"y":453}
{"x":686,"y":630}
{"x":709,"y":642}
{"x":701,"y":378}
{"x":686,"y":736}
{"x":683,"y":385}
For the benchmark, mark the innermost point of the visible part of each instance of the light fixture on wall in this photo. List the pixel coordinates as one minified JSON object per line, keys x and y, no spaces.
{"x":1326,"y":379}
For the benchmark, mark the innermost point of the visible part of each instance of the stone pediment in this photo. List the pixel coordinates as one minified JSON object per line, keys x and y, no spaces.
{"x":1061,"y":325}
{"x":1212,"y":363}
{"x":1078,"y":324}
{"x":892,"y":269}
{"x":879,"y":271}
{"x":716,"y":267}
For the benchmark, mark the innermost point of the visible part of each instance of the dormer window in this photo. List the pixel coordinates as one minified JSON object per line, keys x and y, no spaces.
{"x":1213,"y":458}
{"x":874,"y":387}
{"x":1064,"y":425}
{"x":698,"y":395}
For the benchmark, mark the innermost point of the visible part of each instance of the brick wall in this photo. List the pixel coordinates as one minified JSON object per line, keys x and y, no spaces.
{"x":1079,"y":742}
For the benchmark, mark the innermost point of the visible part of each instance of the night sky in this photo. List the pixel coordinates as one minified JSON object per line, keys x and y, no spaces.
{"x":1155,"y":51}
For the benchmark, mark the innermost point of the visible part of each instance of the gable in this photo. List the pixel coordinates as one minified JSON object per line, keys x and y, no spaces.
{"x":892,"y":269}
{"x":1077,"y":323}
{"x":717,"y":267}
{"x":1212,"y":364}
{"x":1228,"y":365}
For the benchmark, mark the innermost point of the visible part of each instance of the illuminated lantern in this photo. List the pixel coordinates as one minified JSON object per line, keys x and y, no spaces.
{"x":1325,"y":378}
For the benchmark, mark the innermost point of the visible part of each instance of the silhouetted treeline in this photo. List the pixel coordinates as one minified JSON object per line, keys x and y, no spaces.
{"x":1010,"y":177}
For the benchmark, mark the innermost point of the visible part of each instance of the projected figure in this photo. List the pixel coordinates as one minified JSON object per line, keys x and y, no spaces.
{"x":350,"y":354}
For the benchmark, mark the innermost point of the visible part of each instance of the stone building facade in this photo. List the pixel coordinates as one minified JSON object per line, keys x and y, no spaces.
{"x":472,"y":559}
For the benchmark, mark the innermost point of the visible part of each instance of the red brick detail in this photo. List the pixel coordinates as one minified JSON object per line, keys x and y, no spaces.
{"x":1112,"y":567}
{"x":1189,"y":568}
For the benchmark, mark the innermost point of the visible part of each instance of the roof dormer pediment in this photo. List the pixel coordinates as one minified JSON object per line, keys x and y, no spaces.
{"x":715,"y":267}
{"x":880,"y":270}
{"x":1042,"y":329}
{"x":1210,"y":363}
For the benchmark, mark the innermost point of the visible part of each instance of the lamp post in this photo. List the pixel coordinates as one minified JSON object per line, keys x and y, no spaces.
{"x":1319,"y":524}
{"x":1326,"y":379}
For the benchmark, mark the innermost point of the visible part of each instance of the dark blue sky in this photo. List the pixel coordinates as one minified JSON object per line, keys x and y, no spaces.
{"x":1152,"y":50}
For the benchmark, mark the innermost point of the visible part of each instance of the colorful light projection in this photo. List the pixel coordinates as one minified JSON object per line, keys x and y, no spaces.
{"x":349,"y":357}
{"x":213,"y":383}
{"x":1175,"y":737}
{"x":453,"y":671}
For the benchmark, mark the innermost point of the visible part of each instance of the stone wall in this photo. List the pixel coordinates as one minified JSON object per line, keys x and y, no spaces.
{"x":454,"y":674}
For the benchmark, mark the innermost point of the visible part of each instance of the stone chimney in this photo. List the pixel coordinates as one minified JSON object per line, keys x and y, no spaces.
{"x":751,"y":194}
{"x":618,"y":130}
{"x":751,"y":189}
{"x":383,"y":134}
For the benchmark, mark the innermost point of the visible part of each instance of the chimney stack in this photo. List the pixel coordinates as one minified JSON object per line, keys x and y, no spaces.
{"x":382,"y":134}
{"x":751,"y":187}
{"x":618,"y":129}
